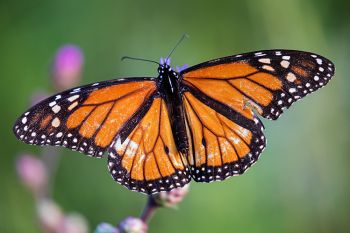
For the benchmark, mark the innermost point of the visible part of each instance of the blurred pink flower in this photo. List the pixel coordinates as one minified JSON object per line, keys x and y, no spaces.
{"x":106,"y":228}
{"x":171,"y":198}
{"x":132,"y":225}
{"x":37,"y":97}
{"x":50,"y":215}
{"x":67,"y":67}
{"x":74,"y":223}
{"x":32,"y":173}
{"x":52,"y":219}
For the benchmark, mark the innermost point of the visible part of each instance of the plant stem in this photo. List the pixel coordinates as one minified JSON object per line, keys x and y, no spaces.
{"x":149,"y":210}
{"x":50,"y":157}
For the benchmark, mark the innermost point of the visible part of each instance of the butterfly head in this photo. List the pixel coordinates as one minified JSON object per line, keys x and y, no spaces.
{"x":164,"y":66}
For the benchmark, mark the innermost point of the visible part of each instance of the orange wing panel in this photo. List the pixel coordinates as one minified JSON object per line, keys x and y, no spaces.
{"x":78,"y":116}
{"x":122,"y":111}
{"x":197,"y":135}
{"x":94,"y":121}
{"x":259,"y":94}
{"x":267,"y":80}
{"x":222,"y":91}
{"x":228,"y":152}
{"x":165,"y":167}
{"x":212,"y":148}
{"x":133,"y":145}
{"x":241,"y":131}
{"x":139,"y":160}
{"x":150,"y":126}
{"x":45,"y":121}
{"x":300,"y":71}
{"x":111,"y":93}
{"x":222,"y":71}
{"x":149,"y":154}
{"x":206,"y":115}
{"x":168,"y":139}
{"x":151,"y":169}
{"x":222,"y":148}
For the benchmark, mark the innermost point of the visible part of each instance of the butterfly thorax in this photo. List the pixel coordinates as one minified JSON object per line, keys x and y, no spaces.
{"x":168,"y":86}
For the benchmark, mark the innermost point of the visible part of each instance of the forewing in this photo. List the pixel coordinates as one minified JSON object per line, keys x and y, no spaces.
{"x":268,"y":81}
{"x":145,"y":158}
{"x":87,"y":118}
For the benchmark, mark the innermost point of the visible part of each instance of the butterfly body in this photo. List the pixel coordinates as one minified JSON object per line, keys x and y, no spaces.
{"x":169,"y":88}
{"x":200,"y":123}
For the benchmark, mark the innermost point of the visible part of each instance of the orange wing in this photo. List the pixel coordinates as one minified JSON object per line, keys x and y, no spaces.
{"x":268,"y":81}
{"x":87,"y":118}
{"x":223,"y":144}
{"x":146,"y":159}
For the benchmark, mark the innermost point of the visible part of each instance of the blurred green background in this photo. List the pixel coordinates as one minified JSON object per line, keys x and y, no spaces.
{"x":300,"y":184}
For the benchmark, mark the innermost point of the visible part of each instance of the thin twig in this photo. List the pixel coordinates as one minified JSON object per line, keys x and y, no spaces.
{"x":50,"y":157}
{"x":149,"y":210}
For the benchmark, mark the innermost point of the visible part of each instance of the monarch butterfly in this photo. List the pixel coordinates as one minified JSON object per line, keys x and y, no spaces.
{"x":199,"y":123}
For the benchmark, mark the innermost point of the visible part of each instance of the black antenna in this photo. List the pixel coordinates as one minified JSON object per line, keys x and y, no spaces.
{"x":177,"y":44}
{"x":138,"y":59}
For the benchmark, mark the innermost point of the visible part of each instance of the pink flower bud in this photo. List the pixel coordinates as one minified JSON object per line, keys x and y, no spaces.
{"x":67,"y":67}
{"x":106,"y":228}
{"x":74,"y":223}
{"x":50,"y":216}
{"x":171,"y":198}
{"x":132,"y":225}
{"x":32,"y":173}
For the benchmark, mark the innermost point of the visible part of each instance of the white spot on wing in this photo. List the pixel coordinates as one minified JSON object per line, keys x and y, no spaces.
{"x":56,"y":108}
{"x":285,"y":64}
{"x":291,"y":77}
{"x":132,"y":148}
{"x":52,"y":103}
{"x":75,"y":90}
{"x":72,"y":98}
{"x":265,"y":60}
{"x":73,"y":105}
{"x":292,"y":90}
{"x":259,"y":54}
{"x":118,"y":144}
{"x":56,"y":122}
{"x":266,"y":67}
